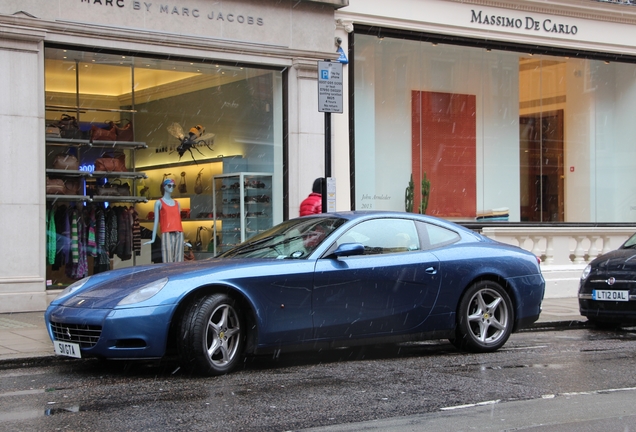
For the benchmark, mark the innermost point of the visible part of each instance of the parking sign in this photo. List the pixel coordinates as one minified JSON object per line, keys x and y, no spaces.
{"x":329,"y":87}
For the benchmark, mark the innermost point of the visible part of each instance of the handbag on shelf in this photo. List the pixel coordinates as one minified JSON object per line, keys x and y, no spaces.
{"x":52,"y":131}
{"x":115,"y":188}
{"x":123,"y":189}
{"x":69,"y":128}
{"x":111,"y":162}
{"x":198,"y":184}
{"x":183,"y":188}
{"x":124,"y":133}
{"x":58,"y":186}
{"x":108,"y":189}
{"x":64,"y":161}
{"x":100,"y":134}
{"x":198,"y":244}
{"x":185,"y":213}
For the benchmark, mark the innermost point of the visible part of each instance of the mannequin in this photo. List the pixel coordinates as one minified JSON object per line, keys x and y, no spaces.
{"x":168,"y":216}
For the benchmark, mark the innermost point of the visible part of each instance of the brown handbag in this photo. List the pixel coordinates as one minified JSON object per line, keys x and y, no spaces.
{"x":198,"y":184}
{"x":115,"y":188}
{"x":69,"y":128}
{"x":111,"y":162}
{"x":99,"y":134}
{"x":66,"y":162}
{"x":124,"y":133}
{"x":59,"y":186}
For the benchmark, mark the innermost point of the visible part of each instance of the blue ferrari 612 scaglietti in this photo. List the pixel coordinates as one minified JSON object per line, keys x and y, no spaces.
{"x":324,"y":281}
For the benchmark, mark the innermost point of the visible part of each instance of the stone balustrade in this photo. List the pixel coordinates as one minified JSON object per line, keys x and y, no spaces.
{"x":564,"y":252}
{"x":562,"y":246}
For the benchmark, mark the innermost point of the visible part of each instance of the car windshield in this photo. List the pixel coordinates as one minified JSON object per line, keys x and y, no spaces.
{"x":293,"y":239}
{"x":630,"y":243}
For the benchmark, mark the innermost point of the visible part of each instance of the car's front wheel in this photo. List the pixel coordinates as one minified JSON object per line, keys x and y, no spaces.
{"x":211,"y":335}
{"x":485,"y":318}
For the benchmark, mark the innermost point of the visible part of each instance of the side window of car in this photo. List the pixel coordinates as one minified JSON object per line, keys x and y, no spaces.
{"x":434,"y":236}
{"x":383,"y":236}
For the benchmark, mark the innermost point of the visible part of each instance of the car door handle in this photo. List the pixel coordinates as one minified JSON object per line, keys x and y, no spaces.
{"x":431,"y":270}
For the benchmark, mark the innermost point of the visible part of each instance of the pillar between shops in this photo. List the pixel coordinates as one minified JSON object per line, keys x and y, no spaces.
{"x":22,"y":197}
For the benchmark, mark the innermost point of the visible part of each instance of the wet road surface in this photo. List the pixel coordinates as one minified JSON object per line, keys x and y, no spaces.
{"x":299,"y":391}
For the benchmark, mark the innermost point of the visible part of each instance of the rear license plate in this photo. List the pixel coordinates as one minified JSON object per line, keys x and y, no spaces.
{"x":68,"y":349}
{"x":610,"y":295}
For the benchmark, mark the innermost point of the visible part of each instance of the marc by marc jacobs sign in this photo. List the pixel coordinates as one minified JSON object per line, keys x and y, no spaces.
{"x":528,"y":23}
{"x":171,"y":10}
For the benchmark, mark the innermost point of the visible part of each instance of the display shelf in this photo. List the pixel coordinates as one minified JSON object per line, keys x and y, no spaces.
{"x":242,"y":205}
{"x":96,"y":198}
{"x":86,"y":174}
{"x":98,"y":174}
{"x":72,"y":142}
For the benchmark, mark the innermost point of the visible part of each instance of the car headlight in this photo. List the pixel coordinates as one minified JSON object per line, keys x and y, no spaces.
{"x":586,"y":272}
{"x":143,"y":293}
{"x":72,"y":288}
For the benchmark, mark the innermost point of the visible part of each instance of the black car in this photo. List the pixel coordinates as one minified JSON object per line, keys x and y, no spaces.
{"x":607,"y":293}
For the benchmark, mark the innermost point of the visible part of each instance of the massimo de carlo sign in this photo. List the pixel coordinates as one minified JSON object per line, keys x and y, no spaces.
{"x":528,"y":23}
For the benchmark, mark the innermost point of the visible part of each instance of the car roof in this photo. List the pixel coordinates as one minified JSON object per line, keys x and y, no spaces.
{"x":372,"y":214}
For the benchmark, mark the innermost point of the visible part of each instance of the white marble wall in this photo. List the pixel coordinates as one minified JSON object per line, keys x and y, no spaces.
{"x":22,"y":208}
{"x":294,"y":36}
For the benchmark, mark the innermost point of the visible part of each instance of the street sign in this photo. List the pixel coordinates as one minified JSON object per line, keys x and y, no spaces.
{"x":329,"y":87}
{"x":331,"y":195}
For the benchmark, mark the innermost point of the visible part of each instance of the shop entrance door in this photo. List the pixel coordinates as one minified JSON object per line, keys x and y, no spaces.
{"x":541,"y":163}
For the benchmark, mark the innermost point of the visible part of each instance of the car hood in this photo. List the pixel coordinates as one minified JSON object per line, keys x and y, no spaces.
{"x":106,"y":290}
{"x":620,"y":260}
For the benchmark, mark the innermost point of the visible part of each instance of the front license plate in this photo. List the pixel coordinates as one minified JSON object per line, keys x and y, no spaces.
{"x":68,"y":349}
{"x":610,"y":295}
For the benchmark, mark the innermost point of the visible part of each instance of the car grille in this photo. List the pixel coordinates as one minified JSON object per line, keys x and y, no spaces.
{"x":84,"y":335}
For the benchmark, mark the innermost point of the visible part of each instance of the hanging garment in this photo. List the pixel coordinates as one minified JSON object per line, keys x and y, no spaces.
{"x":111,"y":232}
{"x":63,"y":226}
{"x":136,"y":233}
{"x":51,"y":237}
{"x":91,"y":245}
{"x":102,"y":262}
{"x":74,"y":237}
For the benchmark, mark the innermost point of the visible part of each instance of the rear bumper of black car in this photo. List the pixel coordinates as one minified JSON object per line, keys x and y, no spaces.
{"x":611,"y":312}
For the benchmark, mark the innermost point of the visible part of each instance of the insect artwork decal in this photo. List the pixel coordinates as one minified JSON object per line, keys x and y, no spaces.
{"x":195,"y":138}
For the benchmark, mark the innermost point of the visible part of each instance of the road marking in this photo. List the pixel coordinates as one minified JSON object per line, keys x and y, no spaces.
{"x":492,"y":402}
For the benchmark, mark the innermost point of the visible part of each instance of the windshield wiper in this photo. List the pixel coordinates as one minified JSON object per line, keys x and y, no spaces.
{"x":258,"y":245}
{"x":248,"y":247}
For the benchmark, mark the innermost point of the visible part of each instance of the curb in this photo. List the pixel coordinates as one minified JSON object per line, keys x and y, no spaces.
{"x":32,"y":360}
{"x":557,"y":325}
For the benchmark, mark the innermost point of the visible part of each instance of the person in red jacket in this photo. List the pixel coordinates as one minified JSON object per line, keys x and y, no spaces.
{"x":313,"y":203}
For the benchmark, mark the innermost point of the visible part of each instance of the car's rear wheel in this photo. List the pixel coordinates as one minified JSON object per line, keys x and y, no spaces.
{"x":485,"y":318}
{"x":211,"y":335}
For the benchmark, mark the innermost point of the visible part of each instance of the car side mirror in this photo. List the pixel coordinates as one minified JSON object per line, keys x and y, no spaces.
{"x":349,"y":249}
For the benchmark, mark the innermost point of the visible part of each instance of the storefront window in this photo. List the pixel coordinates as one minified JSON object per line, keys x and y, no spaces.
{"x":468,"y":133}
{"x":118,"y":125}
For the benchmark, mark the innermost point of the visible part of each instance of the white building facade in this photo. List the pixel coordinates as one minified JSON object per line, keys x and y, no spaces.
{"x":516,"y":114}
{"x":243,"y":70}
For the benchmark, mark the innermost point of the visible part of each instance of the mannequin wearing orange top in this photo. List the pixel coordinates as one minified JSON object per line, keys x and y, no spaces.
{"x":168,"y":216}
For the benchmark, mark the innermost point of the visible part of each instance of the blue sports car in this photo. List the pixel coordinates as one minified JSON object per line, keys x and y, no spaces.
{"x":316,"y":282}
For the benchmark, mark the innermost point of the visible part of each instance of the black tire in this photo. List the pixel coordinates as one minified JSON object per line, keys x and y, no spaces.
{"x":211,"y":335}
{"x":485,"y":318}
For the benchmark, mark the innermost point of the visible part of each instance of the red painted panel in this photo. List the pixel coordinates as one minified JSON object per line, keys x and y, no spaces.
{"x":444,"y":147}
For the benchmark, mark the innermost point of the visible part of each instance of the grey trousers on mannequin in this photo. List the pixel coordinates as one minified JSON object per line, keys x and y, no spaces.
{"x":172,"y":246}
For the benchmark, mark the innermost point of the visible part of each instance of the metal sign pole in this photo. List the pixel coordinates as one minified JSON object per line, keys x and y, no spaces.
{"x":329,"y":100}
{"x":327,"y":160}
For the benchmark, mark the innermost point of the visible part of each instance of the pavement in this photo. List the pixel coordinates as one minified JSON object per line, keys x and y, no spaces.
{"x":23,"y":335}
